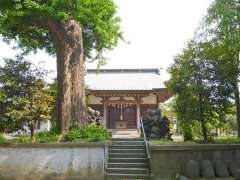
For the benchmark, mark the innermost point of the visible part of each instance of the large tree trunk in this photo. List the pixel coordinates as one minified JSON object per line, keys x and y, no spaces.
{"x":237,"y":104}
{"x":201,"y":112}
{"x":32,"y":127}
{"x":70,"y":74}
{"x":203,"y":123}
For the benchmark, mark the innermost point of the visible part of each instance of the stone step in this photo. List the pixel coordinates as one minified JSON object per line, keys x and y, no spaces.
{"x":125,"y":133}
{"x":111,"y":176}
{"x":126,"y":151}
{"x":127,"y":146}
{"x":127,"y":165}
{"x":127,"y":155}
{"x":116,"y":143}
{"x":127,"y":139}
{"x":127,"y":160}
{"x":127,"y":170}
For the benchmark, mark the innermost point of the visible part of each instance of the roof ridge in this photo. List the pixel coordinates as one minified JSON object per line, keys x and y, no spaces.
{"x":128,"y":70}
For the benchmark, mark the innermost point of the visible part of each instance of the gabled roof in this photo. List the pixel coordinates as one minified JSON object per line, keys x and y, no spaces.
{"x":124,"y":79}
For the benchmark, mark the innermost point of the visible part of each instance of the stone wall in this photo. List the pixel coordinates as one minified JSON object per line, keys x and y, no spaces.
{"x":52,"y":161}
{"x":169,"y":160}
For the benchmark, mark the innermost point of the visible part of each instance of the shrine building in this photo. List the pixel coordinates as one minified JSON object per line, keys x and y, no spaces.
{"x":122,"y":96}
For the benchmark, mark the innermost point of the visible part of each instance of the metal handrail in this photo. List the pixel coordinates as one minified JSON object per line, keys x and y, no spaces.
{"x":146,"y":143}
{"x":106,"y":150}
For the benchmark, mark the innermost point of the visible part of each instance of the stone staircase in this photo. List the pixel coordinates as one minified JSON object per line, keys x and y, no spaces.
{"x":125,"y":133}
{"x":127,"y":159}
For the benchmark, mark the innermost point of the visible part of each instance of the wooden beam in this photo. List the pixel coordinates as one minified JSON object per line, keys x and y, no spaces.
{"x":121,"y":102}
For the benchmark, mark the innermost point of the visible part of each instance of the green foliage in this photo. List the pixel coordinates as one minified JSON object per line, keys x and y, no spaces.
{"x":199,"y":95}
{"x":52,"y":91}
{"x":25,"y":97}
{"x":28,"y":23}
{"x":205,"y":75}
{"x":221,"y":29}
{"x":2,"y":139}
{"x":46,"y":137}
{"x":95,"y":133}
{"x":187,"y":131}
{"x":92,"y":133}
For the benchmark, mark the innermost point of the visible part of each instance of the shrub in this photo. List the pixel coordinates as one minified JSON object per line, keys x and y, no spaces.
{"x":75,"y":134}
{"x":187,"y":132}
{"x":96,"y":133}
{"x":92,"y":133}
{"x":46,"y":137}
{"x":2,"y":139}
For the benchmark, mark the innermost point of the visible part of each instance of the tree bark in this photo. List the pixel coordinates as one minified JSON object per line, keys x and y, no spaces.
{"x":70,"y":74}
{"x":204,"y":129}
{"x":237,"y":104}
{"x":32,"y":127}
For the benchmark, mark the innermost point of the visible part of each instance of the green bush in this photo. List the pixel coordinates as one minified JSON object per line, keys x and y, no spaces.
{"x":95,"y":133}
{"x":46,"y":137}
{"x":49,"y":136}
{"x":2,"y":139}
{"x":187,"y":132}
{"x":92,"y":133}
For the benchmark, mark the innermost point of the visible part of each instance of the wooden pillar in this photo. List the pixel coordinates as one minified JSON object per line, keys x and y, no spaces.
{"x":105,"y":103}
{"x":158,"y":101}
{"x":138,"y":112}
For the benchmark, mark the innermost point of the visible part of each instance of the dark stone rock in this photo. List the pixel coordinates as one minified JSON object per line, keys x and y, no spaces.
{"x":155,"y":118}
{"x":158,"y":112}
{"x":207,"y":169}
{"x":155,"y":125}
{"x":152,"y":136}
{"x":150,"y":113}
{"x":234,"y":169}
{"x":155,"y":130}
{"x":192,"y":169}
{"x":221,"y":169}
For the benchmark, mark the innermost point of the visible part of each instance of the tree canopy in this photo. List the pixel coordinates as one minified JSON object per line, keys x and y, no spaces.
{"x":207,"y":71}
{"x":25,"y":97}
{"x":74,"y":30}
{"x":28,"y":21}
{"x":199,"y":95}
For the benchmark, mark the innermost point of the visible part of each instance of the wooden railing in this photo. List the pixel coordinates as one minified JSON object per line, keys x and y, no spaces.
{"x":146,"y":144}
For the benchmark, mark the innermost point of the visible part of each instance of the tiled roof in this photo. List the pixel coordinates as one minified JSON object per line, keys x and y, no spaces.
{"x":124,"y":79}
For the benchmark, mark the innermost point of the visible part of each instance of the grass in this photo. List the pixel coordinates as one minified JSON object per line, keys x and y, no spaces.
{"x":169,"y":142}
{"x":27,"y":140}
{"x":218,"y":140}
{"x":227,"y":140}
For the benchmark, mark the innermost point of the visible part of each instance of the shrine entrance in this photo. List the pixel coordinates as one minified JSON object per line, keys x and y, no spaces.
{"x":122,"y":116}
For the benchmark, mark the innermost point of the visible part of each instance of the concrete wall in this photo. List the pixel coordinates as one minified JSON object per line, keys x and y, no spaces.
{"x":168,"y":160}
{"x":52,"y":161}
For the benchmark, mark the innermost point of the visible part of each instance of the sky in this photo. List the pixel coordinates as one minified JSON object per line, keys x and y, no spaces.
{"x":154,"y":30}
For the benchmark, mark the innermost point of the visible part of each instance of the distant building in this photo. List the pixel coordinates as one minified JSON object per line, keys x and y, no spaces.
{"x":123,"y":95}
